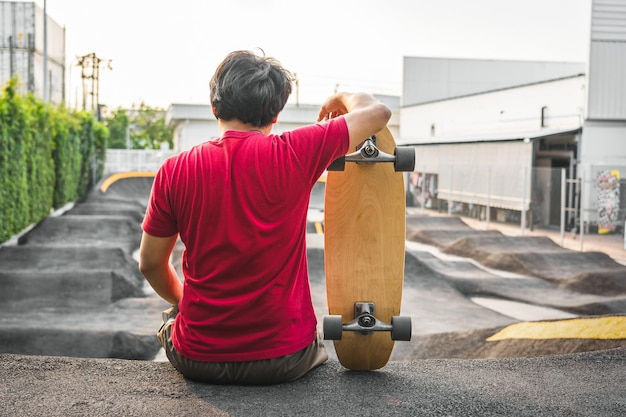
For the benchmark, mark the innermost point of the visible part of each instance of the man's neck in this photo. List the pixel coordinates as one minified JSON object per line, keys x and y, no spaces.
{"x":224,"y":125}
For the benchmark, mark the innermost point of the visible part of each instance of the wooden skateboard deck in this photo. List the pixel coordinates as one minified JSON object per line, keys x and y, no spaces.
{"x":364,"y":237}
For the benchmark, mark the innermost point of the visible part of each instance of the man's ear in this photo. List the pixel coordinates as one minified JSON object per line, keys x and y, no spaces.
{"x":275,"y":119}
{"x":213,"y":111}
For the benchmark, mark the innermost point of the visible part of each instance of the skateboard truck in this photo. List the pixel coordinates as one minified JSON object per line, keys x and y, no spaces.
{"x":366,"y":323}
{"x":368,"y":153}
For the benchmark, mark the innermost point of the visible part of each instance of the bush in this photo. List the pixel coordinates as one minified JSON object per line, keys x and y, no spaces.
{"x":39,"y":162}
{"x":49,"y":156}
{"x":14,"y":210}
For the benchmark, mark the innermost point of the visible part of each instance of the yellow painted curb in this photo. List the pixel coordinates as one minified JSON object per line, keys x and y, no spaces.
{"x":121,"y":175}
{"x":604,"y":328}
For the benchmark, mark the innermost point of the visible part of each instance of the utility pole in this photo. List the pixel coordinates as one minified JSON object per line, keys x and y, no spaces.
{"x":90,"y":74}
{"x":46,"y":95}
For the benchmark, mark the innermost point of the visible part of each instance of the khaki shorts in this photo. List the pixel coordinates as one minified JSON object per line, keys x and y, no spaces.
{"x":261,"y":372}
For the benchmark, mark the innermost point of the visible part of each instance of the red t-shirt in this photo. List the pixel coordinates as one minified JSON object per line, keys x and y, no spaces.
{"x":240,"y":204}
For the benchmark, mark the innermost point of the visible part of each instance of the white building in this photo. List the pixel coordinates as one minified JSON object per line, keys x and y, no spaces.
{"x":478,"y":142}
{"x":491,"y":136}
{"x":195,"y":123}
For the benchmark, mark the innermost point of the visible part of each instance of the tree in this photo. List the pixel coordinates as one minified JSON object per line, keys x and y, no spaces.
{"x":118,"y":124}
{"x":144,"y":128}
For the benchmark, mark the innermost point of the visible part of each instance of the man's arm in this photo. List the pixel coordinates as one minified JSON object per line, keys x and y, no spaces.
{"x":363,"y":113}
{"x":155,"y":265}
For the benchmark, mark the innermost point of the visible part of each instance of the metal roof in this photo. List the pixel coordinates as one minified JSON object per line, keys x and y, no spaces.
{"x":490,"y":137}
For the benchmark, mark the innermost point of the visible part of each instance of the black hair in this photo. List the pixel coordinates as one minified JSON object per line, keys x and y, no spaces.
{"x":250,"y":88}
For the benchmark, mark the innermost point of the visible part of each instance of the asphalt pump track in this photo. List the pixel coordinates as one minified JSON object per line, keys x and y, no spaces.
{"x":502,"y":326}
{"x":70,"y":286}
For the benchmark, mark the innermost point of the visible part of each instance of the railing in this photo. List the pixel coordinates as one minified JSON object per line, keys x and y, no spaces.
{"x":140,"y":160}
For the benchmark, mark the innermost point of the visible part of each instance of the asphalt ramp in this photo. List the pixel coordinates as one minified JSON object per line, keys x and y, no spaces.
{"x":96,"y":231}
{"x":514,"y":271}
{"x":125,"y":186}
{"x":71,"y":287}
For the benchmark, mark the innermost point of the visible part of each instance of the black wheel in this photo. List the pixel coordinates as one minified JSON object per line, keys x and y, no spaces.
{"x":405,"y":159}
{"x":338,"y":164}
{"x":333,"y":327}
{"x":402,"y":328}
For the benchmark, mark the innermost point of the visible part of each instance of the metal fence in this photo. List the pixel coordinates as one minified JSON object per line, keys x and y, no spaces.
{"x":589,"y":199}
{"x":140,"y":160}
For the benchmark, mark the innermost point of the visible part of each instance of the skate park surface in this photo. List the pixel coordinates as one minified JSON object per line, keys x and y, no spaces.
{"x":504,"y":323}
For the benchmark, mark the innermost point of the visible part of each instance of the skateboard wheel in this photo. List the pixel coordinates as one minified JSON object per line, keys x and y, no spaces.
{"x":333,"y":327}
{"x":402,"y":328}
{"x":405,"y":159}
{"x":338,"y":164}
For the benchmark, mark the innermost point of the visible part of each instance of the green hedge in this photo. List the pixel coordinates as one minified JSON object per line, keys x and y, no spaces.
{"x":49,"y":156}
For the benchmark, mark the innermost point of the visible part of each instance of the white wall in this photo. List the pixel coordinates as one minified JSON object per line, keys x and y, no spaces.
{"x":189,"y":132}
{"x":510,"y":110}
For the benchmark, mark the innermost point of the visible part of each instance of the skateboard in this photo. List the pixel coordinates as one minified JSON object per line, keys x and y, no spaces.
{"x":364,"y":236}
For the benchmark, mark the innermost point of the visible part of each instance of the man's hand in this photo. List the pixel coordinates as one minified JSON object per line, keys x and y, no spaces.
{"x":334,"y":106}
{"x":364,"y":114}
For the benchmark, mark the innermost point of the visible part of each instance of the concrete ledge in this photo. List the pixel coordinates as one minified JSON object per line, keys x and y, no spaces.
{"x":587,"y":384}
{"x":79,"y":342}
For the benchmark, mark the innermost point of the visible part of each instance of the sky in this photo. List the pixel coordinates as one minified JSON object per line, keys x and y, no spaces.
{"x":165,"y":51}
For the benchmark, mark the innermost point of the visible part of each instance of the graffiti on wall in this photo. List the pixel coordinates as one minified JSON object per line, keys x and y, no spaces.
{"x":422,"y":190}
{"x":607,"y":183}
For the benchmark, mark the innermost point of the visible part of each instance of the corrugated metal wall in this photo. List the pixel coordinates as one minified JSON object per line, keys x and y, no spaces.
{"x":21,"y":50}
{"x":607,"y":61}
{"x":20,"y":62}
{"x":17,"y":42}
{"x":608,"y":20}
{"x":17,"y":21}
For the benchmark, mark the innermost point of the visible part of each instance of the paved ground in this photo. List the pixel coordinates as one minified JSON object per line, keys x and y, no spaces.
{"x":586,"y":384}
{"x":504,"y":322}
